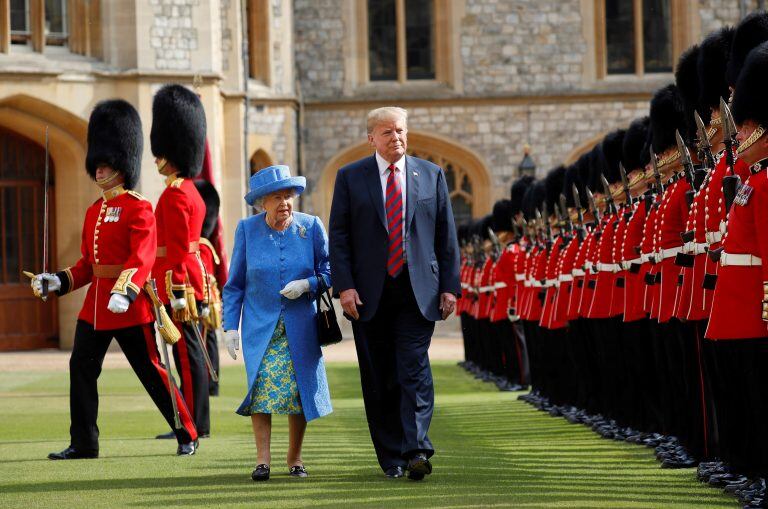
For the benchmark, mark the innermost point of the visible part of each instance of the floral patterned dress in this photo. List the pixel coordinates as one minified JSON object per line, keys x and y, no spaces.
{"x":275,"y":390}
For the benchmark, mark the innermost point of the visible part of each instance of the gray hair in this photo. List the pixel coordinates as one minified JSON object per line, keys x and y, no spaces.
{"x":258,"y":203}
{"x":379,"y":115}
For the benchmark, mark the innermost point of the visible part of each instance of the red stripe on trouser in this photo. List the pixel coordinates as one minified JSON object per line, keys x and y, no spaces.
{"x":184,"y":416}
{"x":184,"y":370}
{"x":705,"y":419}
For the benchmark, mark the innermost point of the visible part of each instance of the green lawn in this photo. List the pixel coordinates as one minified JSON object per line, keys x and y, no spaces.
{"x":491,"y":451}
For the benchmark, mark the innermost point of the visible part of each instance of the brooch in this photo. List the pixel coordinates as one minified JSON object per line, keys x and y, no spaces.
{"x":302,"y":232}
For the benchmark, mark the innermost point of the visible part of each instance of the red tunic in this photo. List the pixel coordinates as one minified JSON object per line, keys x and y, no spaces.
{"x":119,"y":231}
{"x":565,"y":280}
{"x":617,"y":298}
{"x":551,"y":285}
{"x":635,"y":269}
{"x":538,"y":274}
{"x":180,"y":213}
{"x":464,"y":280}
{"x":648,"y":253}
{"x":485,"y":290}
{"x":737,"y":304}
{"x":505,"y":282}
{"x":673,"y":213}
{"x":577,"y":287}
{"x":605,"y":275}
{"x":590,"y":276}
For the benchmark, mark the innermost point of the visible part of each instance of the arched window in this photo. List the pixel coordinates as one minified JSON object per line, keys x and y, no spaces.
{"x":459,"y":183}
{"x":259,"y":160}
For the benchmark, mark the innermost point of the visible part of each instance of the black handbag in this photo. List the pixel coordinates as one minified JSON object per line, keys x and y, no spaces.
{"x":328,"y":331}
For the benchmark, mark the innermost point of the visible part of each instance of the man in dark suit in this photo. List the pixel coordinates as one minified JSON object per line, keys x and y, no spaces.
{"x":395,"y":263}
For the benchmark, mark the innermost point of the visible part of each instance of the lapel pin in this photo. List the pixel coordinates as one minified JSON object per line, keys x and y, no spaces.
{"x":415,"y":174}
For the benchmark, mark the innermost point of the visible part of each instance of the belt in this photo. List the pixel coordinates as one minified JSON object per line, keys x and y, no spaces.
{"x":550,"y":282}
{"x":647,"y":257}
{"x":698,"y":248}
{"x":667,"y":253}
{"x":107,"y":271}
{"x":464,"y":285}
{"x":608,"y":267}
{"x":500,"y":285}
{"x":628,"y":263}
{"x":536,"y":283}
{"x":194,"y":247}
{"x":740,"y":260}
{"x":565,"y":277}
{"x":713,"y":237}
{"x":578,"y":272}
{"x":486,"y":289}
{"x":519,"y":277}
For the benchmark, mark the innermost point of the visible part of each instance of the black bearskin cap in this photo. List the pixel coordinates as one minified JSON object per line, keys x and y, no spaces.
{"x":533,"y":199}
{"x":634,"y":149}
{"x":713,"y":60}
{"x":178,"y":129}
{"x":115,"y":139}
{"x":572,"y":177}
{"x":553,"y":183}
{"x":502,"y":216}
{"x":687,"y":81}
{"x":595,"y":168}
{"x":518,"y":190}
{"x":750,"y":32}
{"x":750,"y":101}
{"x":612,"y":150}
{"x":482,"y":225}
{"x":667,"y":116}
{"x":212,"y":201}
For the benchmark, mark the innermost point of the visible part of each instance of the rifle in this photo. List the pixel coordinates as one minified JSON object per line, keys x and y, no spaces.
{"x":685,"y":157}
{"x":625,"y":183}
{"x":656,"y":173}
{"x":593,"y":207}
{"x":611,"y":207}
{"x":166,"y":328}
{"x":496,"y":244}
{"x":704,"y":146}
{"x":579,"y":211}
{"x":565,"y":218}
{"x":732,"y":181}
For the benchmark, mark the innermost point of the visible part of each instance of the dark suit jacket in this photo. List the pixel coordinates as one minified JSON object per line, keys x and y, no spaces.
{"x":359,"y":238}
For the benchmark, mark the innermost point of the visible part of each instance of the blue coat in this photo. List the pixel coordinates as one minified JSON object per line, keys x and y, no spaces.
{"x":263,"y":262}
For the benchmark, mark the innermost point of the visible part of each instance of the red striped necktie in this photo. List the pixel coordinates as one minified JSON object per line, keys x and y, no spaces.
{"x":394,"y":210}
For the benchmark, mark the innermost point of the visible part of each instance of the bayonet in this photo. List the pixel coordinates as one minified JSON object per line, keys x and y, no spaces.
{"x":685,"y":157}
{"x":729,"y":134}
{"x":625,"y":183}
{"x":496,"y":243}
{"x":704,"y":146}
{"x":656,"y":173}
{"x":564,"y":211}
{"x":607,"y":193}
{"x":579,"y":211}
{"x":593,"y":207}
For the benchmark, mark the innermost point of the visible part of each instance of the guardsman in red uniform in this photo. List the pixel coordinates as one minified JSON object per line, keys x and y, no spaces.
{"x":215,"y":267}
{"x":118,"y":249}
{"x":178,"y":144}
{"x":737,"y":324}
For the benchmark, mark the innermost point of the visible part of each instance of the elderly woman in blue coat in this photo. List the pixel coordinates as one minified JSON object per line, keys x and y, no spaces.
{"x":279,"y":260}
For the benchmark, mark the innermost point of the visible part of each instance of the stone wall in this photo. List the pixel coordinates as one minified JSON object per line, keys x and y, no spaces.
{"x":277,"y":123}
{"x":226,"y":33}
{"x":716,"y":13}
{"x":319,"y":42}
{"x":172,"y":35}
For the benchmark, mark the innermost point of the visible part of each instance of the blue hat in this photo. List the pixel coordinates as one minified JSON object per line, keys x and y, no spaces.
{"x":272,"y":179}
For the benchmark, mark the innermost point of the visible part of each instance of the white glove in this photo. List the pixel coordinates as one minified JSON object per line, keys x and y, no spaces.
{"x":54,"y":283}
{"x":295,"y":289}
{"x":205,"y":311}
{"x":232,"y":340}
{"x":118,"y":303}
{"x":178,"y":304}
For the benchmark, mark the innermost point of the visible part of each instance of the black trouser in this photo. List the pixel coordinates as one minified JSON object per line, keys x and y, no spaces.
{"x":395,"y":374}
{"x":190,"y":363}
{"x":641,"y":381}
{"x":694,"y":429}
{"x":213,"y":352}
{"x":467,"y":334}
{"x":532,"y":333}
{"x":511,"y":350}
{"x":138,"y":345}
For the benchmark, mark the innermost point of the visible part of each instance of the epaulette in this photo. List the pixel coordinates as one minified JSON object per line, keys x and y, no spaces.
{"x":136,"y":195}
{"x":207,"y":243}
{"x":177,"y":182}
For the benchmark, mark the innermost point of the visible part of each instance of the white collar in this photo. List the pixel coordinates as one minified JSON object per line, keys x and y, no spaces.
{"x":384,"y":165}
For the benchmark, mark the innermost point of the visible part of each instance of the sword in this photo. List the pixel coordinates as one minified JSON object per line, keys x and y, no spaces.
{"x":45,"y":221}
{"x":166,"y":360}
{"x":207,"y":358}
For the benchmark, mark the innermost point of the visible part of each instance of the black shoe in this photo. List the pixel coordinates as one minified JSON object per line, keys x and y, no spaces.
{"x":395,"y":472}
{"x":70,"y":453}
{"x":187,"y":449}
{"x":261,"y":473}
{"x":203,"y":435}
{"x":166,"y":436}
{"x":298,"y":471}
{"x":418,"y":467}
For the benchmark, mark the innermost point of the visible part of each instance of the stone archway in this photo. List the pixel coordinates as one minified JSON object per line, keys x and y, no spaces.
{"x":583,"y":148}
{"x":259,"y":160}
{"x":28,"y":117}
{"x":469,"y":181}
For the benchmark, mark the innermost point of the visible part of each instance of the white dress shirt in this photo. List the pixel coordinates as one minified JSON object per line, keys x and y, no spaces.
{"x":384,"y":175}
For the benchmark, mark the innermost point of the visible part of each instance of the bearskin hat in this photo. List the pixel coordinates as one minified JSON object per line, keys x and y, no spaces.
{"x":572,"y":177}
{"x":212,"y":201}
{"x":749,"y":99}
{"x":713,"y":60}
{"x":115,"y":139}
{"x":595,"y":168}
{"x":634,"y":148}
{"x":481,"y":227}
{"x":687,"y":81}
{"x":178,"y":129}
{"x":502,"y":216}
{"x":667,"y":116}
{"x":554,"y":185}
{"x":750,"y":32}
{"x":517,"y":192}
{"x":533,"y":199}
{"x":612,"y":151}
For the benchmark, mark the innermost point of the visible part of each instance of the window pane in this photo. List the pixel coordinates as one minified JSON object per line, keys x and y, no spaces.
{"x":620,"y":36}
{"x":657,"y":31}
{"x":462,"y":209}
{"x":382,"y":46}
{"x":55,"y":17}
{"x":19,"y":19}
{"x":419,"y":40}
{"x":450,"y":177}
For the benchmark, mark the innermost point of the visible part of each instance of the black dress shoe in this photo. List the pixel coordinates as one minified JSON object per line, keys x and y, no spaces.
{"x":418,"y":467}
{"x":187,"y":449}
{"x":394,"y":472}
{"x":261,"y":473}
{"x":166,"y":436}
{"x":70,"y":453}
{"x":298,"y":471}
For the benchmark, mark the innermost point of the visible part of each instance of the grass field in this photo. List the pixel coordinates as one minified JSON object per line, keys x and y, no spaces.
{"x":491,"y":451}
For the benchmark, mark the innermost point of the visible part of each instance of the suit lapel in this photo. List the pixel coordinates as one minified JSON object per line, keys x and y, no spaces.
{"x":411,"y":189}
{"x":373,"y":183}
